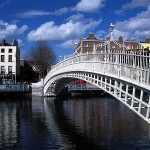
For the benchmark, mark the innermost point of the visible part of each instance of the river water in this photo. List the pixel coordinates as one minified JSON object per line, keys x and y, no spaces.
{"x":37,"y":123}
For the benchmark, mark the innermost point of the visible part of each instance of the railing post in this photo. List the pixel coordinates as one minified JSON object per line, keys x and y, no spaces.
{"x":127,"y":86}
{"x":110,"y":85}
{"x":140,"y":103}
{"x":133,"y":95}
{"x":115,"y":90}
{"x":148,"y":110}
{"x":120,"y":91}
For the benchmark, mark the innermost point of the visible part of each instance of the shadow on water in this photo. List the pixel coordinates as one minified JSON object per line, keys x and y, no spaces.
{"x":112,"y":124}
{"x":72,"y":134}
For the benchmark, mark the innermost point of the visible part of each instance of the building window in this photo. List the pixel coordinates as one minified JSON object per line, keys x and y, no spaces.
{"x":9,"y":69}
{"x":9,"y":58}
{"x":2,"y":58}
{"x":10,"y":50}
{"x":2,"y":50}
{"x":2,"y":69}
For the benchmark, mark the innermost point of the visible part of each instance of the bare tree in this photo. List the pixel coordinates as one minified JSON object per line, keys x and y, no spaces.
{"x":42,"y":56}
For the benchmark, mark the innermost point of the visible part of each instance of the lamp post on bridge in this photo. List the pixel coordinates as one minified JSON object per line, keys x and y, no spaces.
{"x":106,"y":44}
{"x":111,"y":28}
{"x":60,"y":58}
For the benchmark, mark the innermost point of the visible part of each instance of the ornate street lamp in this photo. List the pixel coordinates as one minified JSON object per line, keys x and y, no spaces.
{"x":111,"y":28}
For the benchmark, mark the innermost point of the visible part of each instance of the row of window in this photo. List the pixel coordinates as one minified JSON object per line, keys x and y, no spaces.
{"x":3,"y":58}
{"x":3,"y":50}
{"x":3,"y":69}
{"x":113,"y":46}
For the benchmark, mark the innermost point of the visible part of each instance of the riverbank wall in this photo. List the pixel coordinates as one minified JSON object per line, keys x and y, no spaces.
{"x":37,"y":88}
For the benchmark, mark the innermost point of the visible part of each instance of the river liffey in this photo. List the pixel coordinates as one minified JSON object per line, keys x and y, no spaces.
{"x":37,"y":123}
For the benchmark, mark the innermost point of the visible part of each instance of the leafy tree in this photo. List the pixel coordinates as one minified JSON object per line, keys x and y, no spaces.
{"x":42,"y":57}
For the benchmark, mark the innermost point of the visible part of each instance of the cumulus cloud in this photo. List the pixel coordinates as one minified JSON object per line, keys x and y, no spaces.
{"x":89,"y":5}
{"x":69,"y":30}
{"x":137,"y":26}
{"x":8,"y":30}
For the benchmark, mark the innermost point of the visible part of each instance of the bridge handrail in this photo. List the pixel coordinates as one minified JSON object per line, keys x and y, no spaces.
{"x":137,"y":60}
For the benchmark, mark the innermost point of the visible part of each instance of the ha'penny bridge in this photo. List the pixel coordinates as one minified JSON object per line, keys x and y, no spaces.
{"x":124,"y":74}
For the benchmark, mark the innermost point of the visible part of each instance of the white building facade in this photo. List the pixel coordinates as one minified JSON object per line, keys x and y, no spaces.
{"x":9,"y":59}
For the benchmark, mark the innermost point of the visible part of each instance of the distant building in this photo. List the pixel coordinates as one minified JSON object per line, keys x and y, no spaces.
{"x":9,"y":59}
{"x":146,"y":43}
{"x":87,"y":45}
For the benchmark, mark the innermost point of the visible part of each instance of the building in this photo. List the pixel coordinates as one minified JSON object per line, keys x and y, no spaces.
{"x":28,"y":73}
{"x":9,"y":60}
{"x":86,"y":45}
{"x":146,"y":43}
{"x":91,"y":43}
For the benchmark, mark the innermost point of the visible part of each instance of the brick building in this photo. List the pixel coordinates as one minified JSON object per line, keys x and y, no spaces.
{"x":87,"y":45}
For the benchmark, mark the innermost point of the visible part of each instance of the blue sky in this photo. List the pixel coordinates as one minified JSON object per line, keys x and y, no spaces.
{"x":63,"y":22}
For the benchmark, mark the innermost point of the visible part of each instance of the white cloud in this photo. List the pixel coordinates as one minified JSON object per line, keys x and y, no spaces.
{"x":89,"y":5}
{"x":8,"y":30}
{"x":76,"y":17}
{"x":132,"y":5}
{"x":22,"y":29}
{"x":137,"y":27}
{"x":135,"y":4}
{"x":125,"y":35}
{"x":20,"y":42}
{"x":83,"y":6}
{"x":99,"y":34}
{"x":61,"y":11}
{"x":69,"y":30}
{"x":33,"y":13}
{"x":67,"y":44}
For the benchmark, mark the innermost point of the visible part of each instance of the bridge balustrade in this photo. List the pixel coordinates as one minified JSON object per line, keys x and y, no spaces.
{"x":130,"y":64}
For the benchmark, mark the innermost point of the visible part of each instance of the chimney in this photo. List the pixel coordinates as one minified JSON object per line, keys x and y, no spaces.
{"x":3,"y":42}
{"x":15,"y":43}
{"x":147,"y":39}
{"x":120,"y":40}
{"x":91,"y":35}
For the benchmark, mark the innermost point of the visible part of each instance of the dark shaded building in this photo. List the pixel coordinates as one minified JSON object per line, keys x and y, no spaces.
{"x":27,"y":72}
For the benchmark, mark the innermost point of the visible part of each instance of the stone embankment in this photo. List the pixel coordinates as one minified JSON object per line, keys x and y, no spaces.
{"x":37,"y":88}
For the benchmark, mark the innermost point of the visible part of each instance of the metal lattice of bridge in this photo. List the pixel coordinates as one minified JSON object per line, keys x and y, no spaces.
{"x":123,"y":74}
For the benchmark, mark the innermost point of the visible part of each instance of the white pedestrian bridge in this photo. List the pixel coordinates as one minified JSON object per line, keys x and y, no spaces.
{"x":123,"y":74}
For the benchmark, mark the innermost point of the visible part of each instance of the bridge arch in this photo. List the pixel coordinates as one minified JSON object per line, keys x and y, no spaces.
{"x":125,"y":79}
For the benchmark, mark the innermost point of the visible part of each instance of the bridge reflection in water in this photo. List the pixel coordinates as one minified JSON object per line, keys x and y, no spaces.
{"x":49,"y":123}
